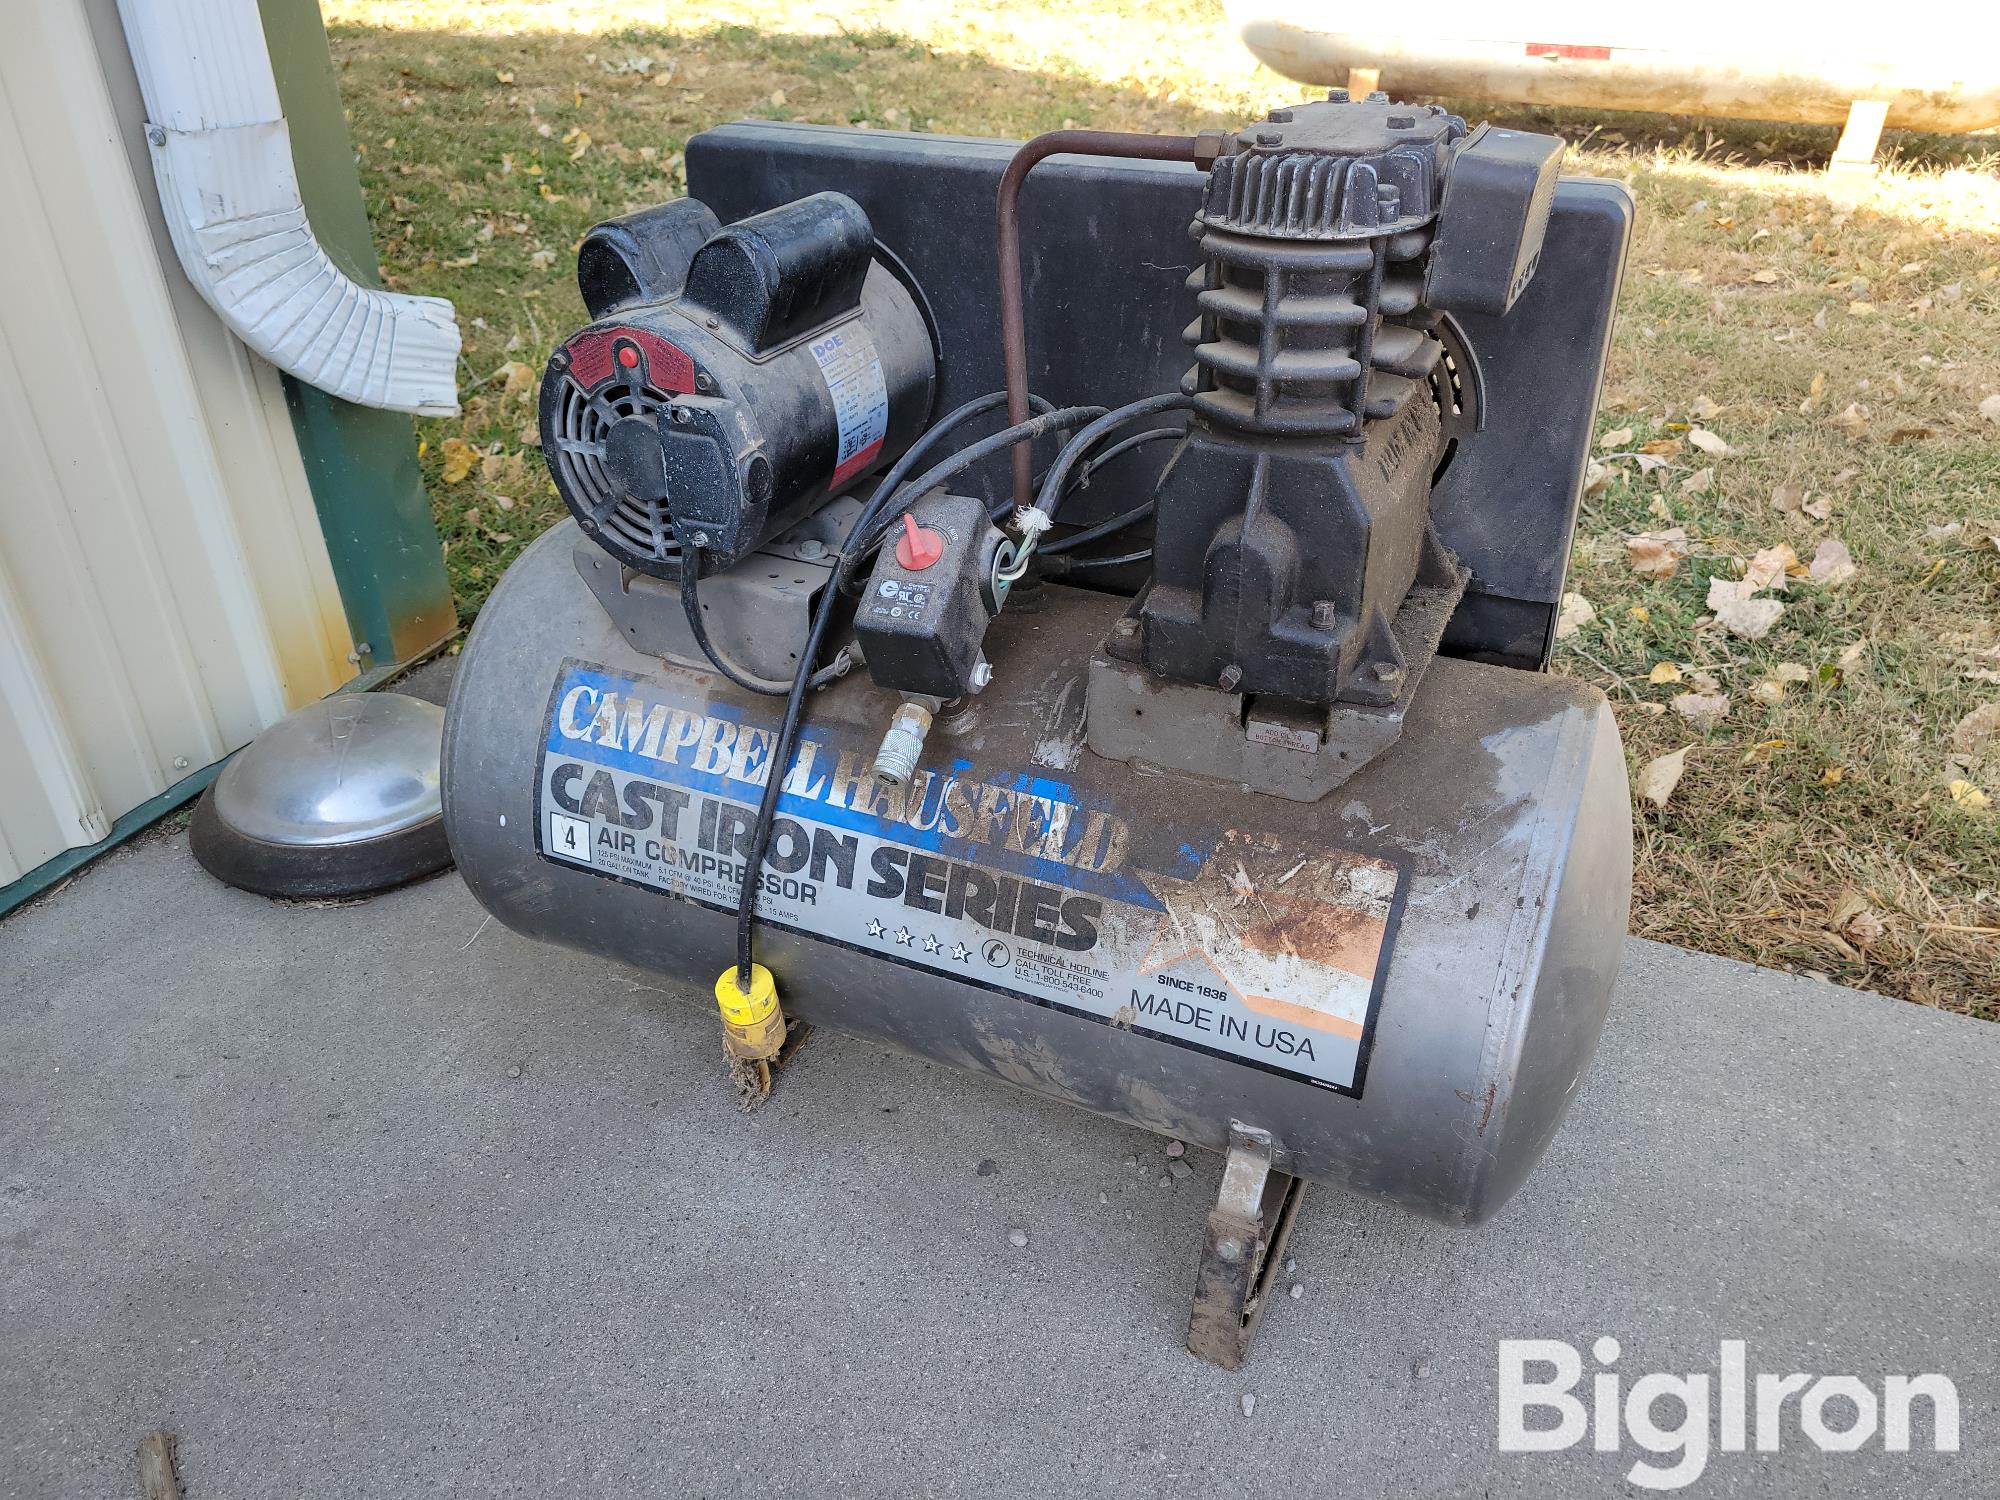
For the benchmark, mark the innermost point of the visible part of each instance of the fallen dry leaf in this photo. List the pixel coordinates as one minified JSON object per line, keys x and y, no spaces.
{"x":1832,"y":563}
{"x":1703,"y":710}
{"x":1723,"y":591}
{"x":1989,"y":408}
{"x":1702,"y":409}
{"x":1748,"y":619}
{"x":1976,"y":731}
{"x":1769,"y":692}
{"x":1814,"y":395}
{"x":1818,"y":508}
{"x":1617,"y":437}
{"x":1911,"y":434}
{"x":1765,"y":277}
{"x":1770,"y":568}
{"x":1660,"y":775}
{"x":1664,"y":671}
{"x":1663,"y":447}
{"x":1596,"y":477}
{"x":459,"y":457}
{"x":516,"y":377}
{"x":1789,"y":496}
{"x":1980,"y":533}
{"x":1708,"y":442}
{"x":1853,"y":420}
{"x":1968,"y":796}
{"x":1699,"y":482}
{"x":1856,"y":921}
{"x":1576,"y":613}
{"x":1658,"y":554}
{"x":1833,"y":776}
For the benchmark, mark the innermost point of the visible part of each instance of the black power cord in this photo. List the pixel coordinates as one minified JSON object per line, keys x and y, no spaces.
{"x":1118,"y":522}
{"x":881,"y":509}
{"x":750,"y":683}
{"x":1056,"y":484}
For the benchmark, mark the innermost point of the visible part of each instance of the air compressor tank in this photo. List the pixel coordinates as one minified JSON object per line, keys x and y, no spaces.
{"x":1401,"y":983}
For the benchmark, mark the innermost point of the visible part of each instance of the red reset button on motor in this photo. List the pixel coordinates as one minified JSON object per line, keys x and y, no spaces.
{"x":919,"y":546}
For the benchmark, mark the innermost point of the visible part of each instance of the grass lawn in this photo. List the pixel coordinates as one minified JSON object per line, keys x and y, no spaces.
{"x":1793,"y":370}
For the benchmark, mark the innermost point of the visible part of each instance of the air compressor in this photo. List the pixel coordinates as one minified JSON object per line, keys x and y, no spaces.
{"x":1081,"y":612}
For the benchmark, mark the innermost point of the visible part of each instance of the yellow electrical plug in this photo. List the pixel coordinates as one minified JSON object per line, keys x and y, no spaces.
{"x":753,"y":1027}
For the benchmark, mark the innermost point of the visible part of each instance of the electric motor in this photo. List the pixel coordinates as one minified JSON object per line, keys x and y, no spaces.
{"x":734,"y":379}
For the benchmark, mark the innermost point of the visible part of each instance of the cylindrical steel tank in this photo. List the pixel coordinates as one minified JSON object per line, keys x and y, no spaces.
{"x":1718,"y":59}
{"x":1403,"y":982}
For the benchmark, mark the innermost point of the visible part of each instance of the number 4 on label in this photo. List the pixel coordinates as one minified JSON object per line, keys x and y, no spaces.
{"x":569,"y":838}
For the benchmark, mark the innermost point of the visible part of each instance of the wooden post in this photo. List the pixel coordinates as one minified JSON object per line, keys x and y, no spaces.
{"x":157,"y":1479}
{"x":1361,"y":82}
{"x":1855,"y":155}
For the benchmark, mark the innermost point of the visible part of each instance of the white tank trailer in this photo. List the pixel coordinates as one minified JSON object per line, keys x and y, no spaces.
{"x":1206,"y":775}
{"x":1940,"y":72}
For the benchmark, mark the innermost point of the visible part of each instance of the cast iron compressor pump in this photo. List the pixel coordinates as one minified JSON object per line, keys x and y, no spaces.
{"x":1012,"y":745}
{"x":1294,"y":525}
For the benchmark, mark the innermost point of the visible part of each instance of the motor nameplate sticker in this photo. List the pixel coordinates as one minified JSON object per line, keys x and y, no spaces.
{"x":852,"y":370}
{"x":1243,"y":946}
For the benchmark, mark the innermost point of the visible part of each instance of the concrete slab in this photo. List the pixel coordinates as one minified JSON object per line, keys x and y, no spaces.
{"x":379,"y":1199}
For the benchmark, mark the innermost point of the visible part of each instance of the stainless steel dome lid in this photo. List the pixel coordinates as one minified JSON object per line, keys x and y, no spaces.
{"x":338,"y":798}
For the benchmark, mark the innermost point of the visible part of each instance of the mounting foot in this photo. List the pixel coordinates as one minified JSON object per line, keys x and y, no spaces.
{"x":1247,"y":1232}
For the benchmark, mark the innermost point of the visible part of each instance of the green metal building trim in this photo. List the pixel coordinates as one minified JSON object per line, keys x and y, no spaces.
{"x":53,"y":872}
{"x":361,"y":463}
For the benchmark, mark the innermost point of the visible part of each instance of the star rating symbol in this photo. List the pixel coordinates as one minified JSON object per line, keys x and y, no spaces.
{"x":931,"y":944}
{"x":905,"y":936}
{"x":960,"y":953}
{"x":875,"y":928}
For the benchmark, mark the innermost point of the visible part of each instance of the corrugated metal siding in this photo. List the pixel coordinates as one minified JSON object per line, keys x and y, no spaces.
{"x":164,"y":587}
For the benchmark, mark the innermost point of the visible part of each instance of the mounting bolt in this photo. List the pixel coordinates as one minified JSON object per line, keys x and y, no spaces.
{"x":1231,"y":675}
{"x":982,"y":674}
{"x":812,"y":549}
{"x":1326,"y":615}
{"x":1402,"y":122}
{"x":704,"y":383}
{"x":559,"y":360}
{"x":1126,"y":628}
{"x":1269,"y":137}
{"x":1387,"y":671}
{"x":712,"y":321}
{"x":155,"y":135}
{"x":700,"y":539}
{"x":1229,"y":1250}
{"x":1280,"y":116}
{"x":1378,"y":97}
{"x":1336,"y":96}
{"x":682,"y":416}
